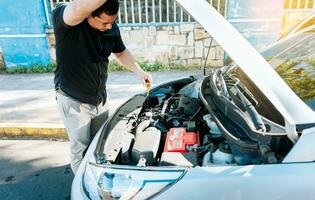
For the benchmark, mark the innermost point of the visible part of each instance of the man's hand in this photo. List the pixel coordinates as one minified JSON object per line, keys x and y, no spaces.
{"x":147,"y":80}
{"x":128,"y":61}
{"x":145,"y":77}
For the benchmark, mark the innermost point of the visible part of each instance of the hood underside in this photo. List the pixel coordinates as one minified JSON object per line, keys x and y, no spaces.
{"x":292,"y":108}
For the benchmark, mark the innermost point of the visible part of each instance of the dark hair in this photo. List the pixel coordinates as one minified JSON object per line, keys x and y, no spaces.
{"x":110,"y":7}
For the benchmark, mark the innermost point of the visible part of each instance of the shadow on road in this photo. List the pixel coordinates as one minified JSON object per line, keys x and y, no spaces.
{"x":47,"y":184}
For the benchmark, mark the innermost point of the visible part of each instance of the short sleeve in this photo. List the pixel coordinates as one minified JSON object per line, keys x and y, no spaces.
{"x":58,"y":21}
{"x":119,"y":45}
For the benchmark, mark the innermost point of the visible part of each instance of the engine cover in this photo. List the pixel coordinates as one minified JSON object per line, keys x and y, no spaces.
{"x":178,"y":140}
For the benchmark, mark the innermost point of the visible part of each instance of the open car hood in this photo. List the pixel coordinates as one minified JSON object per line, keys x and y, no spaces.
{"x":292,"y":108}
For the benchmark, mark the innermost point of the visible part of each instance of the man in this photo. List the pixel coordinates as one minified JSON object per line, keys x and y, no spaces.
{"x":86,"y":34}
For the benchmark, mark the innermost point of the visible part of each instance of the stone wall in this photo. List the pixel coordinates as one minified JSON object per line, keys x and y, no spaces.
{"x":184,"y":44}
{"x":2,"y":63}
{"x":51,"y":44}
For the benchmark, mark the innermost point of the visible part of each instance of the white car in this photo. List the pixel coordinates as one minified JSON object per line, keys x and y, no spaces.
{"x":243,"y":131}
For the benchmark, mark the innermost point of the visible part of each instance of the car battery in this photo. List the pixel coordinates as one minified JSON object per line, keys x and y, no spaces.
{"x":179,"y":148}
{"x":178,"y":140}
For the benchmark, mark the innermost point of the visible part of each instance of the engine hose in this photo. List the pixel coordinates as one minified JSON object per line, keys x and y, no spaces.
{"x":142,"y":126}
{"x":160,"y":126}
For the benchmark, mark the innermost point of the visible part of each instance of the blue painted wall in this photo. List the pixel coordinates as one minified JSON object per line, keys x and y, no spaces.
{"x":259,"y":21}
{"x":22,"y":32}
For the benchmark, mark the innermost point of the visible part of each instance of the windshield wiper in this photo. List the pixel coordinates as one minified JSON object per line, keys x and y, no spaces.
{"x":222,"y":85}
{"x":249,"y":107}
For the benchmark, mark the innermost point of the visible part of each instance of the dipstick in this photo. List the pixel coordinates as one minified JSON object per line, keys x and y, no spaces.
{"x":147,"y":86}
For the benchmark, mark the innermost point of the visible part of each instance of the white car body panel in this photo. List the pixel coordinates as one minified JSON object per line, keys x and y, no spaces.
{"x":304,"y":149}
{"x":259,"y":182}
{"x":292,"y":108}
{"x":274,"y":182}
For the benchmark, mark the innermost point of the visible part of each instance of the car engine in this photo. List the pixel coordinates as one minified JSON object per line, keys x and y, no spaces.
{"x":175,"y":127}
{"x":172,"y":129}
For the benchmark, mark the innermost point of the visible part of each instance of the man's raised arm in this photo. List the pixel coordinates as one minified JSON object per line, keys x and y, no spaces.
{"x":77,"y":10}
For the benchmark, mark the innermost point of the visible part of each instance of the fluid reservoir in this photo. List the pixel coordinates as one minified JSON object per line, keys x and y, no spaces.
{"x":222,"y":156}
{"x":214,"y":130}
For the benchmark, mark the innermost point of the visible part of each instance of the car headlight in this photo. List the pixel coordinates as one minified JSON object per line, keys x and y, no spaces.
{"x":112,"y":182}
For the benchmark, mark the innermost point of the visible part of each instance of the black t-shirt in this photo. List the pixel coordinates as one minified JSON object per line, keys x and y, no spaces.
{"x":82,"y":58}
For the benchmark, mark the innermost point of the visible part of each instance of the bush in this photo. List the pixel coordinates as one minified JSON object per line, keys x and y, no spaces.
{"x":113,"y":66}
{"x":150,"y":67}
{"x":31,"y":69}
{"x":157,"y":66}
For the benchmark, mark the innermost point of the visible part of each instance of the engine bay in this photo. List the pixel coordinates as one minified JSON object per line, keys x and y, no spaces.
{"x":184,"y":125}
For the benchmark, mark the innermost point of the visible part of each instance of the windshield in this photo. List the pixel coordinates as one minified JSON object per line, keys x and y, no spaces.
{"x":294,"y":60}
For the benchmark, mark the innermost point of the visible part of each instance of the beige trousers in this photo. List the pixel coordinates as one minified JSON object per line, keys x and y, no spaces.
{"x":78,"y":119}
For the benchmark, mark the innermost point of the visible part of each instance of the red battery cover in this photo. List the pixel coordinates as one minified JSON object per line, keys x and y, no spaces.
{"x":178,"y":138}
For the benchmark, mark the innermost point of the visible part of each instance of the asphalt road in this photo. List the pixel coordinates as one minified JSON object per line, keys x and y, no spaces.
{"x":30,"y":98}
{"x":35,"y":170}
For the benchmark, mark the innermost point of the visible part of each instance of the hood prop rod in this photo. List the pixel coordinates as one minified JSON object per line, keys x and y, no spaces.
{"x":205,"y":64}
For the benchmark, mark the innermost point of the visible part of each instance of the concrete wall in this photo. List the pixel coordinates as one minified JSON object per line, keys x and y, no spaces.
{"x":181,"y":44}
{"x":1,"y":59}
{"x":22,"y":32}
{"x":178,"y":44}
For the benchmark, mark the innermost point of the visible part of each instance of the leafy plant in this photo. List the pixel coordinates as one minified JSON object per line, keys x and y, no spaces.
{"x":301,"y":80}
{"x":149,"y":66}
{"x":113,"y":66}
{"x":30,"y":69}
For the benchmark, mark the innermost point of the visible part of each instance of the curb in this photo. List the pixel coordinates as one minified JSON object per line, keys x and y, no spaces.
{"x":33,"y":132}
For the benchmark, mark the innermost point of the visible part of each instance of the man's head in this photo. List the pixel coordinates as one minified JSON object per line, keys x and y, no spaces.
{"x":103,"y":18}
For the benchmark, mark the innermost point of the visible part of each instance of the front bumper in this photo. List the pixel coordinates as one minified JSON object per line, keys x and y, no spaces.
{"x":77,"y":191}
